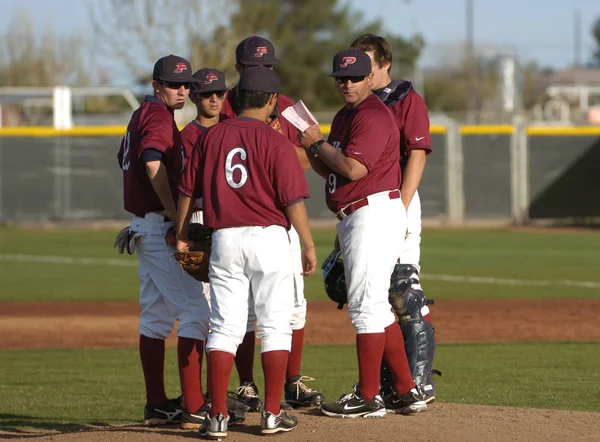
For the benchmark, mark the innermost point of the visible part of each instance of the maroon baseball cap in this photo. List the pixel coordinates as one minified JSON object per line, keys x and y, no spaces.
{"x":259,"y":79}
{"x":351,"y":63}
{"x":209,"y":80}
{"x":255,"y":51}
{"x":173,"y":69}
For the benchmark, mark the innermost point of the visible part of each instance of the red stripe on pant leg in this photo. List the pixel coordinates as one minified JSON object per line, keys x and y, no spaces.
{"x":152,"y":356}
{"x":220,"y":364}
{"x":369,"y":349}
{"x":244,"y":358}
{"x":274,"y":365}
{"x":295,"y":356}
{"x":395,"y":356}
{"x":189,"y":355}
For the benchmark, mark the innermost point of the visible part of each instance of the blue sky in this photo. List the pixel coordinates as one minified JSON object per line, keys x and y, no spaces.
{"x":538,"y":30}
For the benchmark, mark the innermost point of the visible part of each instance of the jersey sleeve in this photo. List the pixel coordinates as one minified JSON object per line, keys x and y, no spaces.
{"x":191,"y":177}
{"x":187,"y":140}
{"x":156,"y":133}
{"x":289,"y":181}
{"x":415,"y":132}
{"x":368,"y":136}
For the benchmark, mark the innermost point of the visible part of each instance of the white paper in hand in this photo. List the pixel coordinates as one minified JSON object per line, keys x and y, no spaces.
{"x":299,"y":116}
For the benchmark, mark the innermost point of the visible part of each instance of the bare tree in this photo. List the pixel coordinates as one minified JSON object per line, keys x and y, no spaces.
{"x":132,"y":34}
{"x":27,"y":59}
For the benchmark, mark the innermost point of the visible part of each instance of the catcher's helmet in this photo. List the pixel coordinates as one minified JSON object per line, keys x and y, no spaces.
{"x":334,"y":278}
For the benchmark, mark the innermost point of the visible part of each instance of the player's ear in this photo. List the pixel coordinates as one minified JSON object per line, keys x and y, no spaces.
{"x":370,"y":79}
{"x":273,"y":99}
{"x":155,"y":86}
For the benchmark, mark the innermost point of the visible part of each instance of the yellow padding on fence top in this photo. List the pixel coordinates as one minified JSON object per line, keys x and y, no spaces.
{"x":497,"y":129}
{"x":564,"y":131}
{"x":48,"y":131}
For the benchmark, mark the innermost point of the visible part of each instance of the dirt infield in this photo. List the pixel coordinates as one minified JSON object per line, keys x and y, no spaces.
{"x":114,"y":324}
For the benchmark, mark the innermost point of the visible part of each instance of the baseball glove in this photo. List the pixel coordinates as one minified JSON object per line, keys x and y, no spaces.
{"x":128,"y":240}
{"x":195,"y":258}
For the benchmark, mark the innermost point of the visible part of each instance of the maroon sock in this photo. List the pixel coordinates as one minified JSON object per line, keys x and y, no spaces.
{"x":220,"y":364}
{"x":244,"y":358}
{"x":152,"y":356}
{"x":369,"y":348}
{"x":189,"y":355}
{"x":295,"y":356}
{"x":395,"y":356}
{"x":274,"y":364}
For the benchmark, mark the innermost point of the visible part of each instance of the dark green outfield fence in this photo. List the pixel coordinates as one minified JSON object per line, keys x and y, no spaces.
{"x":506,"y":173}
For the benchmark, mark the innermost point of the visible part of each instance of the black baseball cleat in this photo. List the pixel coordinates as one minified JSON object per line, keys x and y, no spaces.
{"x":354,"y":405}
{"x":247,"y":393}
{"x":235,"y":409}
{"x":214,"y":428}
{"x":277,"y":423}
{"x":408,"y":403}
{"x":193,"y":421}
{"x":168,"y":413}
{"x":297,"y":394}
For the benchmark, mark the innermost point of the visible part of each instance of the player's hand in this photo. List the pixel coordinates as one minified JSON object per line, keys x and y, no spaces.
{"x":182,"y":245}
{"x":310,"y":136}
{"x":309,"y":260}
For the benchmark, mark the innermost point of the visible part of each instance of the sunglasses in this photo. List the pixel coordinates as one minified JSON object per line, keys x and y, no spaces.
{"x":344,"y":80}
{"x":209,"y":94}
{"x":175,"y":85}
{"x":268,"y":66}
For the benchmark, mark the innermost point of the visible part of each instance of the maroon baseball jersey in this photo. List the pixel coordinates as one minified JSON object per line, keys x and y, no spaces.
{"x":229,"y":110}
{"x":189,"y":137}
{"x":412,"y":119}
{"x":368,"y":134}
{"x":246,"y":174}
{"x":152,"y":126}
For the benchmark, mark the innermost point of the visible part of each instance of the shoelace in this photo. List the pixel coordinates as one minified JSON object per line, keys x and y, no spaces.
{"x":350,"y":395}
{"x":301,"y":386}
{"x":247,"y":390}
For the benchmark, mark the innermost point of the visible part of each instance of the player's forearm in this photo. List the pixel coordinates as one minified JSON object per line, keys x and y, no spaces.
{"x":304,"y":162}
{"x":319,"y":166}
{"x":157,"y":173}
{"x":411,"y":177}
{"x":298,"y":217}
{"x":184,"y":213}
{"x":340,"y":163}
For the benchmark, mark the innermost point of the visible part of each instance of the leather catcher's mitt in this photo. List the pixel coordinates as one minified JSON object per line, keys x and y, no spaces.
{"x":194,"y":259}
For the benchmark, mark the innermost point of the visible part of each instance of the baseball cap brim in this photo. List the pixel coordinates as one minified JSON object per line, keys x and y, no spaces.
{"x":273,"y":62}
{"x":347,"y":74}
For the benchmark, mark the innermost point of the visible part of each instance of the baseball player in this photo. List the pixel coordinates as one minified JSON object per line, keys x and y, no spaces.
{"x":151,"y":157}
{"x":207,"y":94}
{"x":252,"y":187}
{"x":257,"y":51}
{"x":412,"y":120}
{"x":361,"y":165}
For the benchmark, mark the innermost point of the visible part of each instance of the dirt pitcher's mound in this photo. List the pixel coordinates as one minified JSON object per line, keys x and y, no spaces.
{"x":444,"y":422}
{"x":115,"y":324}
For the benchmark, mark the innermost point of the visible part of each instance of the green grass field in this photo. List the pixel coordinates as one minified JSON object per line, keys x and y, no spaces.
{"x":49,"y":388}
{"x":539,"y":260}
{"x":70,"y":387}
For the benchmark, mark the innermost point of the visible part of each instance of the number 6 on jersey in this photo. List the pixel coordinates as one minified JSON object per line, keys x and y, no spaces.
{"x":230,"y":168}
